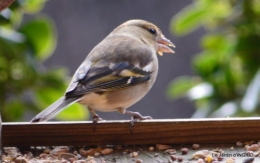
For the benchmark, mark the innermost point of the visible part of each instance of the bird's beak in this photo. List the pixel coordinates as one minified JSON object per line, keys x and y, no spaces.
{"x":163,"y":45}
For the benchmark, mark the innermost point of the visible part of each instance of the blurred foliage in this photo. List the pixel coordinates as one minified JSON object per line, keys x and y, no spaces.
{"x":25,"y":84}
{"x":228,"y":68}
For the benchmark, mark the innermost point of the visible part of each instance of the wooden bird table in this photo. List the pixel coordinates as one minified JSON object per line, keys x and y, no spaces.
{"x":222,"y":133}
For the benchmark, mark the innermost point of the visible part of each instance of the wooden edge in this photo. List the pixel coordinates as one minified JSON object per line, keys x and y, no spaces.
{"x":144,"y":121}
{"x":167,"y":131}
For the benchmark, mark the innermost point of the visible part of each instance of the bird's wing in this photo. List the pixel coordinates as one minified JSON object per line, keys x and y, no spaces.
{"x":105,"y":76}
{"x":81,"y":73}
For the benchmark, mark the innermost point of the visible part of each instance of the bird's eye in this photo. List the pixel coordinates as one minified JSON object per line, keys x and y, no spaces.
{"x":152,"y":31}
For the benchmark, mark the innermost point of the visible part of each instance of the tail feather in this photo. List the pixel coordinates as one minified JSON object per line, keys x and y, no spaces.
{"x":54,"y":109}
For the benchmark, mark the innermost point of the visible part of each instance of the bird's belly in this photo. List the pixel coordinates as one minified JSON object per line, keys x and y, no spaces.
{"x":96,"y":101}
{"x":116,"y":100}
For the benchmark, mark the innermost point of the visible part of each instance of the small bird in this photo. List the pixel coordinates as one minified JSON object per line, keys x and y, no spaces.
{"x":117,"y":73}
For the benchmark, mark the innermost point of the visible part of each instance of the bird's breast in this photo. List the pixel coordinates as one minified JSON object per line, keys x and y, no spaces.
{"x":115,"y":100}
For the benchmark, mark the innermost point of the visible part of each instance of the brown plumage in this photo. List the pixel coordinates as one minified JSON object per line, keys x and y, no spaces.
{"x":117,"y":73}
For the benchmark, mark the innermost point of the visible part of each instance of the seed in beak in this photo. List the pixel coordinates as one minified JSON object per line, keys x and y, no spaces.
{"x":163,"y":45}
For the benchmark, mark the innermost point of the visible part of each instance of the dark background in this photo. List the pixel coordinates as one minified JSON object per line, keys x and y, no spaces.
{"x":83,"y":24}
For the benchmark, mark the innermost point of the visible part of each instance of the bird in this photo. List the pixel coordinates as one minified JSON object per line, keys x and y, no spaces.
{"x":117,"y":72}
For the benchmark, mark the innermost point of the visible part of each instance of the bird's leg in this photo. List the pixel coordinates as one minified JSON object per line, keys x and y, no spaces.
{"x":95,"y":116}
{"x":135,"y":117}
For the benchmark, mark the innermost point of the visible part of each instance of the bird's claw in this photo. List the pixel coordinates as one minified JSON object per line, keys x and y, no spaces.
{"x":137,"y":117}
{"x":96,"y":119}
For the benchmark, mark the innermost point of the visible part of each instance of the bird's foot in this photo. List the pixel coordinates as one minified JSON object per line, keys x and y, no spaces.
{"x":96,"y":119}
{"x":136,"y":117}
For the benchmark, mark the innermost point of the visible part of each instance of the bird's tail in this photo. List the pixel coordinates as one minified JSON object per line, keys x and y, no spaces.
{"x":54,"y":109}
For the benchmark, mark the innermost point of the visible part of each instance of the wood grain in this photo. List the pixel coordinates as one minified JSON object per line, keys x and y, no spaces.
{"x":169,"y":131}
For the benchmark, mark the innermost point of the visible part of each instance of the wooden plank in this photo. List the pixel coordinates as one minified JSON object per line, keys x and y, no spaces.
{"x":168,"y":131}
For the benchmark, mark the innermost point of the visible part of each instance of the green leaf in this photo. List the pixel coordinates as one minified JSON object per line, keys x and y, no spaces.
{"x":74,"y":112}
{"x":56,"y":79}
{"x":33,"y":6}
{"x":41,"y":36}
{"x":50,"y":87}
{"x":179,"y":86}
{"x":46,"y":96}
{"x":256,"y":6}
{"x":187,"y":20}
{"x":206,"y":63}
{"x":249,"y":44}
{"x":6,"y":49}
{"x":16,"y":18}
{"x":15,"y":110}
{"x":214,"y":42}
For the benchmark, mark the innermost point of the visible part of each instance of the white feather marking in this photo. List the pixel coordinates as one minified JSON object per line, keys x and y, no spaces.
{"x":79,"y":74}
{"x":82,"y":70}
{"x":148,"y":68}
{"x":111,"y":66}
{"x":129,"y":80}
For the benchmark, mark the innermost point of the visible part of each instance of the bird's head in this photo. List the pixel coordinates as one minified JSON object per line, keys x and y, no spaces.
{"x":150,"y":34}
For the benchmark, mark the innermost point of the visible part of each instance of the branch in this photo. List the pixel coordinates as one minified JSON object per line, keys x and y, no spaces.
{"x":5,"y":3}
